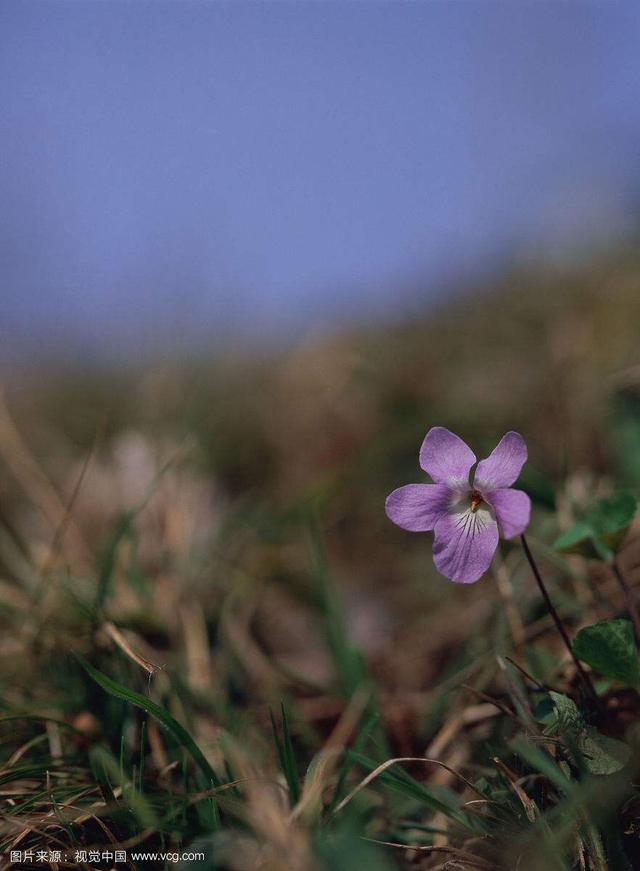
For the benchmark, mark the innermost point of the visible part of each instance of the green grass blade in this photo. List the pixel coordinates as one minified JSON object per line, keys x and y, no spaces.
{"x":286,"y":755}
{"x":291,"y":772}
{"x":161,"y":715}
{"x":38,"y":718}
{"x":397,"y":778}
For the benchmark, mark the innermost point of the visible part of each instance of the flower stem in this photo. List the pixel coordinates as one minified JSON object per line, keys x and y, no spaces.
{"x":632,"y":608}
{"x":586,"y":680}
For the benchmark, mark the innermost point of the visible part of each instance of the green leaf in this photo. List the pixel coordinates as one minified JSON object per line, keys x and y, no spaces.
{"x":609,"y":647}
{"x":600,"y":531}
{"x":578,"y":539}
{"x":613,"y":515}
{"x":568,"y":717}
{"x":601,"y":754}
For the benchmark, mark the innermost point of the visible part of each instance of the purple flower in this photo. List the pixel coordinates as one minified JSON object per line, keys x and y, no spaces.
{"x":464,"y":516}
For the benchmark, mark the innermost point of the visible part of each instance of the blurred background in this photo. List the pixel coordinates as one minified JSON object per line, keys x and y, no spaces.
{"x":249,"y":254}
{"x":179,"y":178}
{"x":282,"y":240}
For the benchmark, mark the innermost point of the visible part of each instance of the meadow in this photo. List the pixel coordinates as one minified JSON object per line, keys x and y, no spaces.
{"x":214,"y":641}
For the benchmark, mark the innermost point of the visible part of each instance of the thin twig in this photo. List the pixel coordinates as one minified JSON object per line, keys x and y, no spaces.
{"x":491,"y":701}
{"x":542,"y":687}
{"x":118,"y":638}
{"x":586,"y":680}
{"x":461,"y":855}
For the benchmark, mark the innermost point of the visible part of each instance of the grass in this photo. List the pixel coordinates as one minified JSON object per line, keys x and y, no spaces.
{"x":213,"y":640}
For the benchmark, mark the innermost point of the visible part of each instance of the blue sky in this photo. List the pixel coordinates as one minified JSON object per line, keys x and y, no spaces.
{"x":184,"y":169}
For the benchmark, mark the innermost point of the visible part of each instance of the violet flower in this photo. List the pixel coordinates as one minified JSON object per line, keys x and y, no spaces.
{"x":464,"y":516}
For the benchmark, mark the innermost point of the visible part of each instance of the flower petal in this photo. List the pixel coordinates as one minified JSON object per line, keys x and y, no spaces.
{"x":417,"y":507}
{"x":465,"y":544}
{"x":513,"y":510}
{"x":446,"y":457}
{"x":502,"y":467}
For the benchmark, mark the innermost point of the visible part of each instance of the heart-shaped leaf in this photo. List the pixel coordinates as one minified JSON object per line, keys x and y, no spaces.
{"x":578,"y":539}
{"x":601,"y":754}
{"x":567,"y":715}
{"x":609,"y":647}
{"x":598,"y":534}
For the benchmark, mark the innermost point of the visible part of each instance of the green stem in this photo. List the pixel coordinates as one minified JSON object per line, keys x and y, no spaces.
{"x":586,"y":680}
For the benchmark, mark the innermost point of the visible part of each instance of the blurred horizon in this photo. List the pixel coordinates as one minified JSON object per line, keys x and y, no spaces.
{"x":176,"y":173}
